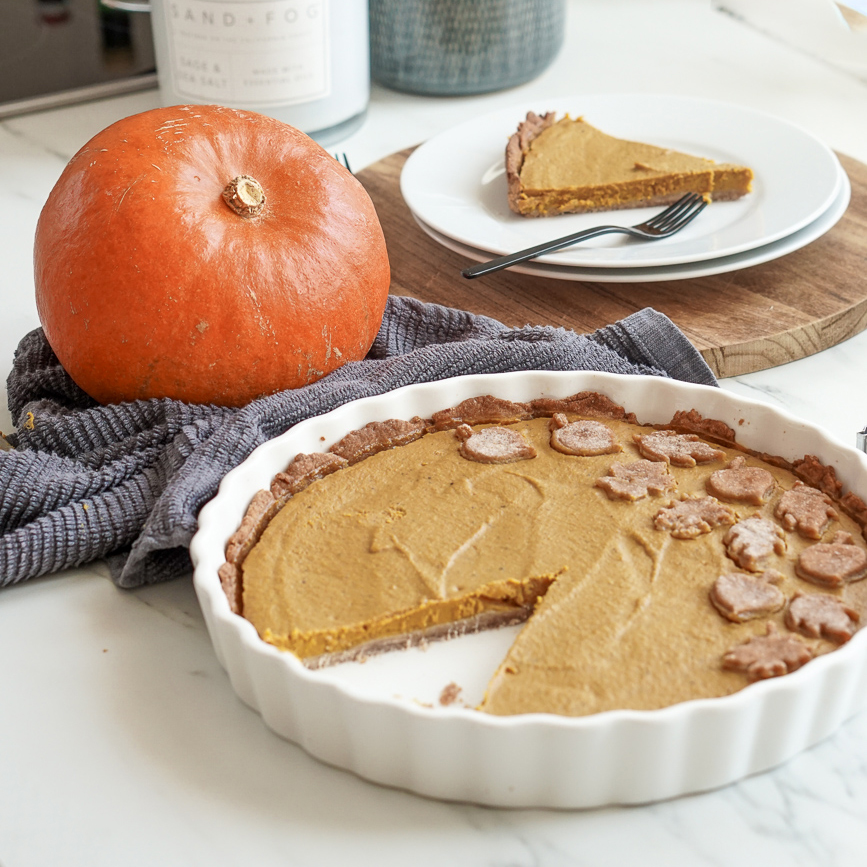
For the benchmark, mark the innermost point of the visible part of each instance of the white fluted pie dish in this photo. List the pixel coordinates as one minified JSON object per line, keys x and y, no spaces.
{"x":381,"y":719}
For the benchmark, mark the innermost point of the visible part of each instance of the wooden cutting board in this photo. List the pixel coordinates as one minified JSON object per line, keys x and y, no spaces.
{"x":741,"y":322}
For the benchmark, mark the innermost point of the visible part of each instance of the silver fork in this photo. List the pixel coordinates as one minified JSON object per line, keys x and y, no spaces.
{"x":665,"y":223}
{"x":341,"y":158}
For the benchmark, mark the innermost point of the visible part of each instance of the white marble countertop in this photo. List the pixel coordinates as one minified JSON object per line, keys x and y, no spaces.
{"x":121,"y":740}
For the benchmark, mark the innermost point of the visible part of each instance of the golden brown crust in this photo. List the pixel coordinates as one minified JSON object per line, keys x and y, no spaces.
{"x":812,"y":471}
{"x":231,"y":582}
{"x":261,"y":507}
{"x":855,"y":508}
{"x":486,"y":409}
{"x":583,"y":403}
{"x":492,"y":619}
{"x":692,"y":421}
{"x":304,"y":469}
{"x":261,"y":510}
{"x":377,"y":436}
{"x":516,"y":149}
{"x":773,"y":460}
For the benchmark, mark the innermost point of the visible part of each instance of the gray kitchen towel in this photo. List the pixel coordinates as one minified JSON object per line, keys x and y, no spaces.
{"x":125,"y":482}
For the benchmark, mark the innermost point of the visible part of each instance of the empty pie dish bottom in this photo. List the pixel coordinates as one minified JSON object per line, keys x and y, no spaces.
{"x":381,"y":719}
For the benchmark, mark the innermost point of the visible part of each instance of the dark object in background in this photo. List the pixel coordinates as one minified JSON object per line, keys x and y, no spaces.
{"x":62,"y":52}
{"x":461,"y":47}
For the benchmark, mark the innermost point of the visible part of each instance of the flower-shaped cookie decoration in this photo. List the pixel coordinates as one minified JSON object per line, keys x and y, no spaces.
{"x":806,"y":510}
{"x":584,"y":437}
{"x":768,"y":655}
{"x":818,"y":615}
{"x":682,"y":450}
{"x":493,"y":445}
{"x":751,"y":542}
{"x":833,"y":564}
{"x":636,"y":480}
{"x":693,"y":516}
{"x":741,"y":597}
{"x":738,"y":483}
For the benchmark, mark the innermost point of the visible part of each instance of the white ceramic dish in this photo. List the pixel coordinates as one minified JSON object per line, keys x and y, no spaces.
{"x":456,"y":182}
{"x":826,"y":221}
{"x":534,"y":760}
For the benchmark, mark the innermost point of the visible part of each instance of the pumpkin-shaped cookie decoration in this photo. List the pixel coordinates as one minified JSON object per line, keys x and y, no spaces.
{"x":207,"y":254}
{"x":833,"y":564}
{"x":493,"y":445}
{"x":740,"y":597}
{"x":585,"y":437}
{"x":739,"y":483}
{"x":819,"y":615}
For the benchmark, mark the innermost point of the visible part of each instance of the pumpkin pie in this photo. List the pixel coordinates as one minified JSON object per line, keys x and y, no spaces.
{"x":647,"y":564}
{"x":567,"y":166}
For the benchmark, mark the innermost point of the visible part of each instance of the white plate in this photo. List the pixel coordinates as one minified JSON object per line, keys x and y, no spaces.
{"x":456,"y":181}
{"x":369,"y":720}
{"x":784,"y":246}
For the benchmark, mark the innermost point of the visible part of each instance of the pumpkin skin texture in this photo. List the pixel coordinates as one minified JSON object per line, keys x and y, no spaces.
{"x":149,"y":284}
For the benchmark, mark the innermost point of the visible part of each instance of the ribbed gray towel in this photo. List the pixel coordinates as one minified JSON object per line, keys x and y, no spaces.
{"x":125,"y":482}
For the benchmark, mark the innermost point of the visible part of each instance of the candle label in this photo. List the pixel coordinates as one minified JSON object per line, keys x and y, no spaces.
{"x":259,"y":52}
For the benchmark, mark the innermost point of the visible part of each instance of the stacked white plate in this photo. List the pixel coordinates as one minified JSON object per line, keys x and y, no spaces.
{"x":455,"y":186}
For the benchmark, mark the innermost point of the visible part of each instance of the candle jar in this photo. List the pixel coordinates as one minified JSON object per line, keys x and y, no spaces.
{"x":461,"y":47}
{"x":305,"y":62}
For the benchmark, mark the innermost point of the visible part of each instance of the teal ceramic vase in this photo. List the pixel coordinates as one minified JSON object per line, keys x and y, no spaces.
{"x":462,"y":47}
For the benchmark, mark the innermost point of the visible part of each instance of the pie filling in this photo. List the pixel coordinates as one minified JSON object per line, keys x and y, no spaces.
{"x":651,"y":565}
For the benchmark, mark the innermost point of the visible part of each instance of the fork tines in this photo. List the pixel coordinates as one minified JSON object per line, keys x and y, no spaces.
{"x":683,"y":210}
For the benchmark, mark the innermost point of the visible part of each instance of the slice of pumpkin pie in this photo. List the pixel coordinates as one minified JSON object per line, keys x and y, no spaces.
{"x":567,"y":166}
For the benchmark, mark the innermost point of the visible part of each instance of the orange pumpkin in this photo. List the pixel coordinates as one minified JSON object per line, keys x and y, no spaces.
{"x":207,"y":254}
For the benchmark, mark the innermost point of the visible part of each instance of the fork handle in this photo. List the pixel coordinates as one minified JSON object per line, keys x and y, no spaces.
{"x":539,"y":250}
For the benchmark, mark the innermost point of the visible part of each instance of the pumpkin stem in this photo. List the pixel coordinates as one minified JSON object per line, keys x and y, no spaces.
{"x":245,"y":196}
